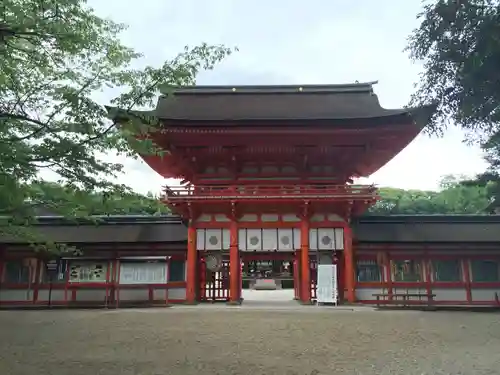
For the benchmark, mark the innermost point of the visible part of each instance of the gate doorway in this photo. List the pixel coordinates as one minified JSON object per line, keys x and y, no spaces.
{"x":214,"y":277}
{"x":269,"y":276}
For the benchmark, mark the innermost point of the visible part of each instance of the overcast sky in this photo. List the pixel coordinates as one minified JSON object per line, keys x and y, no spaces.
{"x":298,"y":42}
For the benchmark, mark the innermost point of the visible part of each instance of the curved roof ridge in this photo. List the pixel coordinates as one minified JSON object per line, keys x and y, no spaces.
{"x":271,"y":89}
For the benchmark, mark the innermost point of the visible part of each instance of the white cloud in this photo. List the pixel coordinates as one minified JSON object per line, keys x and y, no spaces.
{"x":292,"y":41}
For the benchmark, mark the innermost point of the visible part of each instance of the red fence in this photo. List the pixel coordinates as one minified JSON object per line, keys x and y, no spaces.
{"x":204,"y":192}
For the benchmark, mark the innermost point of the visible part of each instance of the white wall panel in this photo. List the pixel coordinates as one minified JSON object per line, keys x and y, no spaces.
{"x":200,"y":239}
{"x":339,"y":238}
{"x":286,"y":239}
{"x":487,"y":294}
{"x":213,"y":239}
{"x":448,"y":294}
{"x":226,"y":239}
{"x":254,"y":239}
{"x":204,"y":218}
{"x":269,"y":239}
{"x":250,"y":217}
{"x":269,"y":217}
{"x":313,"y":239}
{"x":290,"y":218}
{"x":366,"y":294}
{"x":326,"y":239}
{"x":296,"y":238}
{"x":242,"y":239}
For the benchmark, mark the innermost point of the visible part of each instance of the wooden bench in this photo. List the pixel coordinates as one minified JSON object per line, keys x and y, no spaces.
{"x":404,"y":298}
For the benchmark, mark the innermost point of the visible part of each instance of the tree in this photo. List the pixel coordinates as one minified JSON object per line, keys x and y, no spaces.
{"x":52,"y":199}
{"x":459,"y":44}
{"x":453,"y":198}
{"x":54,"y":57}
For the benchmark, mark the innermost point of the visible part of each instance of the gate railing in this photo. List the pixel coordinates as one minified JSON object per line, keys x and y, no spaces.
{"x":204,"y":192}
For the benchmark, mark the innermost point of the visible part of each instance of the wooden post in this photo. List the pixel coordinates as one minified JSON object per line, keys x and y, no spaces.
{"x":350,"y":273}
{"x":388,"y":273}
{"x":2,"y":265}
{"x":468,"y":279}
{"x":234,"y":264}
{"x":296,"y":275}
{"x":305,"y":284}
{"x":427,"y":271}
{"x":192,"y":258}
{"x":36,"y":286}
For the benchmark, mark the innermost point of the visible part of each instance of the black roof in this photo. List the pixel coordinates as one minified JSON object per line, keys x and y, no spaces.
{"x":171,"y":218}
{"x":109,"y":219}
{"x":458,"y":229}
{"x":412,"y":219}
{"x":365,"y":87}
{"x":199,"y":105}
{"x":367,"y":229}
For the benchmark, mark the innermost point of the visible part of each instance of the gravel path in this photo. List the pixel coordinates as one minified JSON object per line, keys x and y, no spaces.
{"x":238,"y":341}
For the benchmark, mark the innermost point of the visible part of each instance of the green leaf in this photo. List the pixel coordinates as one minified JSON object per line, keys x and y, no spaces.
{"x":52,"y":62}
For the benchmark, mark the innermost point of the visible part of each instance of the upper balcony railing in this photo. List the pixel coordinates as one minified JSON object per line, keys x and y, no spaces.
{"x":209,"y":192}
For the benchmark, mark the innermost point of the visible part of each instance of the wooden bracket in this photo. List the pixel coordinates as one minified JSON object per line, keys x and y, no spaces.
{"x":233,"y":214}
{"x":306,"y":211}
{"x":348,"y":213}
{"x":234,"y":166}
{"x":192,"y":212}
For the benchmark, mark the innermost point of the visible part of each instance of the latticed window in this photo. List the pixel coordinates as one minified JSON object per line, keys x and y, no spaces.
{"x":485,"y":270}
{"x":16,"y":272}
{"x":409,"y":270}
{"x":368,"y":271}
{"x":177,"y":270}
{"x":447,"y":270}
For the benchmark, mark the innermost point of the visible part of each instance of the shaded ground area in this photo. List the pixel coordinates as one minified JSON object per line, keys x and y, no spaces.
{"x":308,"y":340}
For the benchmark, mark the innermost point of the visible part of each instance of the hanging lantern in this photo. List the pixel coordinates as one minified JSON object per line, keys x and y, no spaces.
{"x":213,"y":262}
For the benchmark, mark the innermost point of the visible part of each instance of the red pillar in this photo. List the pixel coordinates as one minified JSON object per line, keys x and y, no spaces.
{"x":36,"y":283}
{"x":387,"y":273}
{"x":427,"y":269}
{"x":234,"y":264}
{"x":467,"y":277}
{"x":305,"y":275}
{"x":1,"y":265}
{"x":350,"y":273}
{"x":192,"y":258}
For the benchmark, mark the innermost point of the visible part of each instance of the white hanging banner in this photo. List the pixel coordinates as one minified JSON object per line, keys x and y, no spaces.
{"x":143,"y":273}
{"x":326,"y":287}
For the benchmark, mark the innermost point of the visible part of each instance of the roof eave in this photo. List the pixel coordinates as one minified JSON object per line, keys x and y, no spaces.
{"x":119,"y":114}
{"x":384,"y":117}
{"x":422,"y":115}
{"x":270,"y":89}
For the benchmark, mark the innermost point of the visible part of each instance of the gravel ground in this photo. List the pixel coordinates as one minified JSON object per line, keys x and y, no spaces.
{"x":244,"y":341}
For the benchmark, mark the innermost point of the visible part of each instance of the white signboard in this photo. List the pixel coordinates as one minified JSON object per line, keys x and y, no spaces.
{"x":326,"y":288}
{"x":143,"y":273}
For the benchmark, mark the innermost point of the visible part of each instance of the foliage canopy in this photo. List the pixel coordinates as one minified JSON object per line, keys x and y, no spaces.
{"x":56,"y":57}
{"x":453,"y":198}
{"x":459,"y":45}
